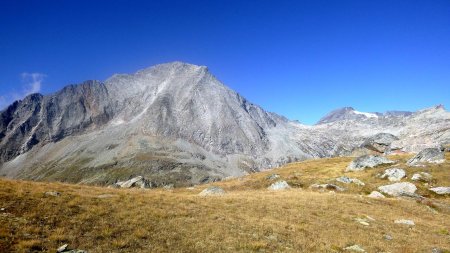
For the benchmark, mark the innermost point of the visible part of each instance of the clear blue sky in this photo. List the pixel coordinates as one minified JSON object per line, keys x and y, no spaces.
{"x":300,"y":59}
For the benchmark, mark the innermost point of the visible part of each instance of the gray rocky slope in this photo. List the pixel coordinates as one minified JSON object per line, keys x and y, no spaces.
{"x":176,"y":123}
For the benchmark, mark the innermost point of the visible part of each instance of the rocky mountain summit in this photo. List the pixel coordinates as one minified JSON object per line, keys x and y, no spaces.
{"x":175,"y":123}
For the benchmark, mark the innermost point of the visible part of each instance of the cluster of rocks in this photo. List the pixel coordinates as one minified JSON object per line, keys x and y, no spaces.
{"x":347,"y":180}
{"x":135,"y":182}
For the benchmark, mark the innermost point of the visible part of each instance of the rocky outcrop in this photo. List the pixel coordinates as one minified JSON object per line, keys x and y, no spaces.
{"x":367,"y":161}
{"x":397,"y":189}
{"x":380,"y":143}
{"x":428,"y":155}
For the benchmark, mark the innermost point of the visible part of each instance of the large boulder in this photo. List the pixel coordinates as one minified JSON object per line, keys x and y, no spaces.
{"x":428,"y":155}
{"x":280,"y":185}
{"x":397,"y":189}
{"x":380,"y":142}
{"x":212,"y":191}
{"x":367,"y":161}
{"x":394,"y":174}
{"x":441,"y":190}
{"x":135,"y":182}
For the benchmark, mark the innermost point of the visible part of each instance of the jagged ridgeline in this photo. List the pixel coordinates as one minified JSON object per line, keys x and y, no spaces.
{"x":177,"y":124}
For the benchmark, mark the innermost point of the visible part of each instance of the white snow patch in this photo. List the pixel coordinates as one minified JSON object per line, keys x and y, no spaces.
{"x":368,"y":115}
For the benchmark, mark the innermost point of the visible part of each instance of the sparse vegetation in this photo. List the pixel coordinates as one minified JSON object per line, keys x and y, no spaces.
{"x":248,"y":218}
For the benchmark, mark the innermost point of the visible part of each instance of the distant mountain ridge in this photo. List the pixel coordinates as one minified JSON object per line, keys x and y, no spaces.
{"x":349,"y":113}
{"x":175,"y":123}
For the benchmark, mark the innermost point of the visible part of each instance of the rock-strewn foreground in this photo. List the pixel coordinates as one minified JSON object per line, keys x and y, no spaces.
{"x":177,"y":124}
{"x":235,"y":215}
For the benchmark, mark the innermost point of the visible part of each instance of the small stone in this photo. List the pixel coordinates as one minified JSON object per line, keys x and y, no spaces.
{"x":2,"y":209}
{"x":62,"y":248}
{"x":387,"y":237}
{"x":375,"y":195}
{"x":441,"y":190}
{"x":280,"y":185}
{"x":355,"y":248}
{"x":53,"y":193}
{"x":405,"y":222}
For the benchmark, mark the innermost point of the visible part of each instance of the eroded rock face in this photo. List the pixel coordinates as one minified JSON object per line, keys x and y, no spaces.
{"x":397,"y":189}
{"x":367,"y":161}
{"x":428,"y":155}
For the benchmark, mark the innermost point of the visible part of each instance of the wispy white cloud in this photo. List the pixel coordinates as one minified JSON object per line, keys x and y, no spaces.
{"x":31,"y":83}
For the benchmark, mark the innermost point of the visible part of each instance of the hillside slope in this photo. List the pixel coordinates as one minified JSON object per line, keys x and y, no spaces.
{"x":248,"y":218}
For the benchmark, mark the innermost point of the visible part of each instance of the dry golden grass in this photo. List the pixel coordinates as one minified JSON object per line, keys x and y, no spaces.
{"x":247,"y":218}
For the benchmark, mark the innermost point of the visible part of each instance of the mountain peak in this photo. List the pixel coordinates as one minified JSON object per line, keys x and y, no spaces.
{"x":345,"y":113}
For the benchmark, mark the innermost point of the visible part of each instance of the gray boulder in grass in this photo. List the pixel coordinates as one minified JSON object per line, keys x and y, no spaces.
{"x":280,"y":185}
{"x":212,"y":191}
{"x":367,"y":161}
{"x":394,"y":174}
{"x":428,"y":155}
{"x":397,"y":189}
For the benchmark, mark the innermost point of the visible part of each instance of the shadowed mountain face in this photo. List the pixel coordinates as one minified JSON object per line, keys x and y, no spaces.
{"x":176,"y":123}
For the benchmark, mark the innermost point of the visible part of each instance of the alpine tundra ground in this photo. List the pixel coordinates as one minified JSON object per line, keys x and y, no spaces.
{"x":247,"y":218}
